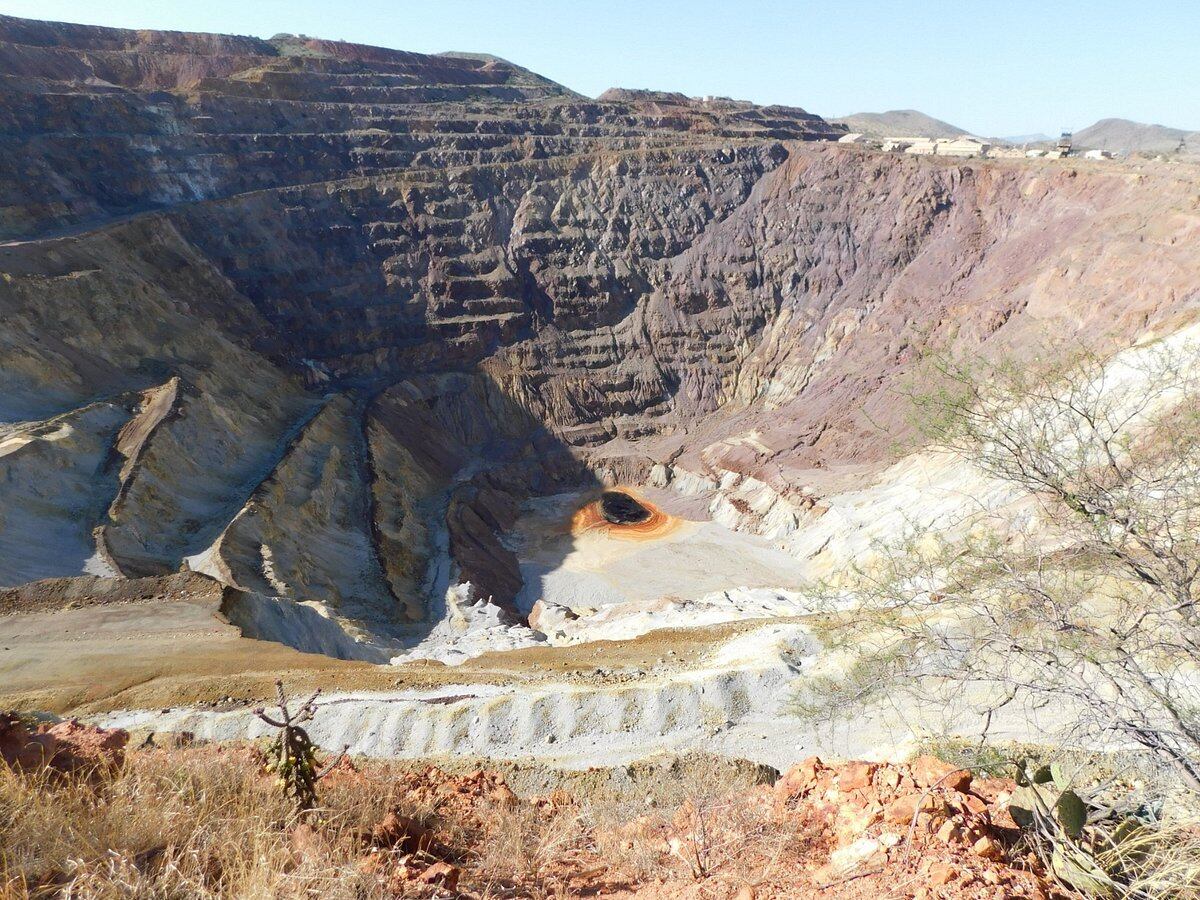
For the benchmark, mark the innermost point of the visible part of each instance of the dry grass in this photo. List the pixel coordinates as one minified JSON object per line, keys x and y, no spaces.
{"x":207,"y":822}
{"x":1161,"y":863}
{"x":187,"y":825}
{"x":708,"y":821}
{"x":526,"y":850}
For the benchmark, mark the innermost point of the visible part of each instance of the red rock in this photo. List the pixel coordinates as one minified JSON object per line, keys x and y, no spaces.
{"x":21,"y":748}
{"x":970,"y":804}
{"x":442,"y":874}
{"x":66,"y":746}
{"x":902,"y":810}
{"x":856,"y":776}
{"x":799,"y":779}
{"x":987,"y":848}
{"x":941,"y":873}
{"x":950,"y":833}
{"x":399,"y":832}
{"x":503,"y":795}
{"x":88,"y":744}
{"x":928,"y":771}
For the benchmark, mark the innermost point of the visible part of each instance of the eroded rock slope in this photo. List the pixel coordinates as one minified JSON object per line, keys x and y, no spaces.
{"x":316,"y":318}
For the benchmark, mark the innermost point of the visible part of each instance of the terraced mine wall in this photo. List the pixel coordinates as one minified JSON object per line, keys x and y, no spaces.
{"x":315,"y":319}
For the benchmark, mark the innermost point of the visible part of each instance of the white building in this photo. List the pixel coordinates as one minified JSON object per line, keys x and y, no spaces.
{"x":962,"y":146}
{"x":922,"y":147}
{"x":853,"y":137}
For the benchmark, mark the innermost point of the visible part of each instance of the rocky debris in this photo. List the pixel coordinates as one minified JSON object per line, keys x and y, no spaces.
{"x":399,"y":832}
{"x":440,"y":874}
{"x":549,"y":618}
{"x":66,"y":747}
{"x":820,"y":830}
{"x":407,"y":855}
{"x":434,"y":788}
{"x":926,"y":823}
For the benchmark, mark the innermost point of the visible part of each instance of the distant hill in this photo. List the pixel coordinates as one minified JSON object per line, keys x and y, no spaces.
{"x":1037,"y":138}
{"x":1124,"y":136}
{"x":900,"y":123}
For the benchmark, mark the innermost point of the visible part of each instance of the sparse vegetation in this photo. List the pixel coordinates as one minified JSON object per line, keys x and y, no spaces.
{"x":189,"y":824}
{"x":292,"y":756}
{"x":1072,"y":598}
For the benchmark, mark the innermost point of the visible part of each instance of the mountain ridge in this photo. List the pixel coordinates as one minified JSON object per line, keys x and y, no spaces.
{"x":1127,"y":136}
{"x":899,"y":123}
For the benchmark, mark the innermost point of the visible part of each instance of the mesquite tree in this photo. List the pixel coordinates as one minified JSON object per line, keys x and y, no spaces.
{"x":292,"y":755}
{"x":1079,"y":595}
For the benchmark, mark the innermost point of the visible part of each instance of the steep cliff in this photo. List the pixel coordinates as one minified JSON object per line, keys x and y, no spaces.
{"x":317,"y":318}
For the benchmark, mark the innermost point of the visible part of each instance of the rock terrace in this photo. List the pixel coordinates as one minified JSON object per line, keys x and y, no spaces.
{"x":317,"y":320}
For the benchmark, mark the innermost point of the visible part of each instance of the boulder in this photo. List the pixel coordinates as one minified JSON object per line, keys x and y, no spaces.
{"x":856,"y":776}
{"x":799,"y":779}
{"x":402,"y":833}
{"x":928,"y":771}
{"x":902,"y":810}
{"x":65,"y":746}
{"x":441,"y":874}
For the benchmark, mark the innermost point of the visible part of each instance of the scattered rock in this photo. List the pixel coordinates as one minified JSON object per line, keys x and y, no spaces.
{"x":941,"y":873}
{"x":950,"y":833}
{"x":799,"y":779}
{"x":503,"y":795}
{"x":401,"y":833}
{"x":856,"y":776}
{"x":904,"y":809}
{"x":987,"y":848}
{"x":441,"y":874}
{"x":929,"y":770}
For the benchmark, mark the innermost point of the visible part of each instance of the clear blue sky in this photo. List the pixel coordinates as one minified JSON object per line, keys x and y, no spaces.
{"x":994,"y":67}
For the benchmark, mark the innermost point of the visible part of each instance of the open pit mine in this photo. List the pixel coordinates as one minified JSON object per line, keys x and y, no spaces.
{"x":519,"y":422}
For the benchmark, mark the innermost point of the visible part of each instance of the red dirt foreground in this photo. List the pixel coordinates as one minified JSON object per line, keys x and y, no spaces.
{"x":921,"y":831}
{"x":859,"y":830}
{"x":925,"y":830}
{"x":64,"y":747}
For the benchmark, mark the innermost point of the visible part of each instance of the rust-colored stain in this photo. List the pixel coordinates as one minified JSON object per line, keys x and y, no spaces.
{"x":659,"y":524}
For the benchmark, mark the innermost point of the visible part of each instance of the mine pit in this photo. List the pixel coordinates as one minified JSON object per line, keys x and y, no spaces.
{"x":620,"y":508}
{"x":571,"y":552}
{"x":624,"y":514}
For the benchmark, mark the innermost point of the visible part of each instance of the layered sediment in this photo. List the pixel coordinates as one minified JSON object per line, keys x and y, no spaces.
{"x":319,"y":319}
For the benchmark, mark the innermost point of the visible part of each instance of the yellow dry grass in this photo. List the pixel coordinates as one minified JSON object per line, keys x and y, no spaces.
{"x":183,"y":825}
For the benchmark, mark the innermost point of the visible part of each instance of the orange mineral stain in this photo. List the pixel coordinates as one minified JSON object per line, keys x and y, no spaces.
{"x":590,"y":519}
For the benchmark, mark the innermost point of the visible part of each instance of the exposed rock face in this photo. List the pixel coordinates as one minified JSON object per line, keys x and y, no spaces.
{"x":315,"y":318}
